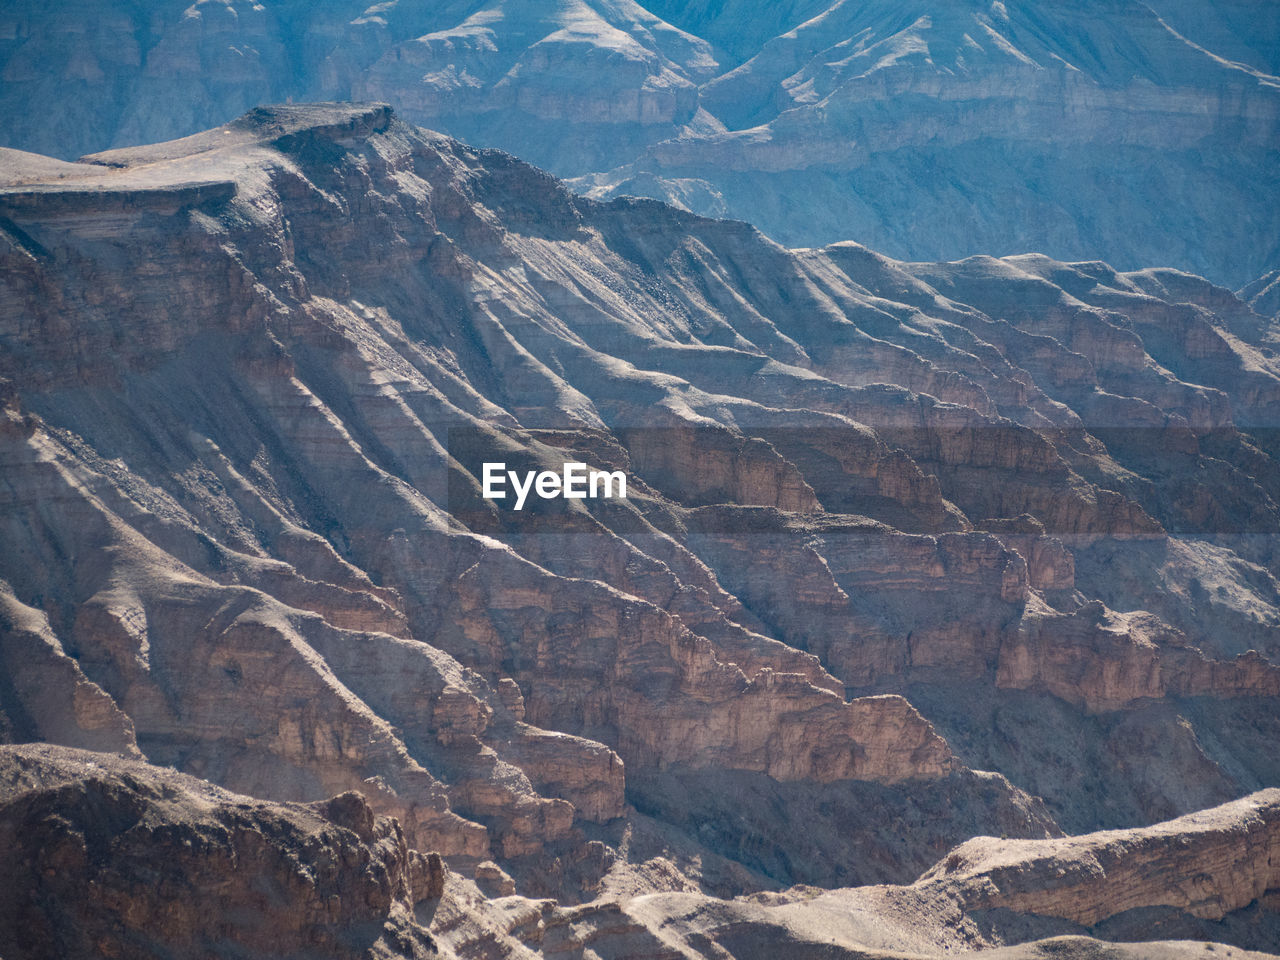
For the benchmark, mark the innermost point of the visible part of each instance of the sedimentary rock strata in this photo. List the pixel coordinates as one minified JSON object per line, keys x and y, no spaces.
{"x":1207,"y":864}
{"x":951,"y":542}
{"x":110,"y":857}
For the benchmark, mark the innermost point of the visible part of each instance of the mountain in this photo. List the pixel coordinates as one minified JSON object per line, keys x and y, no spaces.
{"x":910,"y":552}
{"x":1140,"y":134}
{"x":592,"y":79}
{"x":1091,"y":130}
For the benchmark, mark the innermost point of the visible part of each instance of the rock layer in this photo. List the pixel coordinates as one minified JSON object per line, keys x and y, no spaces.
{"x":110,"y":857}
{"x":1207,"y":864}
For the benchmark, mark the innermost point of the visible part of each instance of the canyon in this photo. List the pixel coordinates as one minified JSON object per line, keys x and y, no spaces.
{"x":941,"y":612}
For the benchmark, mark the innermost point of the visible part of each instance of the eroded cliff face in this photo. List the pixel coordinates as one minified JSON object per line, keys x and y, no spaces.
{"x":1207,"y":864}
{"x":888,"y":525}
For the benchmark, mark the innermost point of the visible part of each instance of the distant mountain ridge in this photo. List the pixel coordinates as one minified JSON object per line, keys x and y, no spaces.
{"x":1136,"y":133}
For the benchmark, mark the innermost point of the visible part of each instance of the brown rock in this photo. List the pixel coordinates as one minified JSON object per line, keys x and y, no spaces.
{"x":1207,"y":864}
{"x":108,"y":857}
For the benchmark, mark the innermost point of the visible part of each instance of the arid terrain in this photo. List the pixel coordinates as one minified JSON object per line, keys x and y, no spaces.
{"x":941,"y":613}
{"x":1139,"y":132}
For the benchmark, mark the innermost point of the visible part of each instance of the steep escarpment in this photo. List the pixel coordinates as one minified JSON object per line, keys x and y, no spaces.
{"x":1205,"y":866}
{"x":951,"y":542}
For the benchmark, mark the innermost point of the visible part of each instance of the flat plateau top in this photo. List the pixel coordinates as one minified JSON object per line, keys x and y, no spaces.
{"x":204,"y":159}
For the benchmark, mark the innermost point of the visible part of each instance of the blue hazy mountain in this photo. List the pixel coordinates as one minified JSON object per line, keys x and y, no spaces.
{"x":935,"y":130}
{"x":1138,"y":133}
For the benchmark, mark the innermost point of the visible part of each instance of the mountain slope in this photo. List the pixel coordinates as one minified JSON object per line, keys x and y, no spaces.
{"x":889,"y":525}
{"x":159,"y":864}
{"x":152,"y":863}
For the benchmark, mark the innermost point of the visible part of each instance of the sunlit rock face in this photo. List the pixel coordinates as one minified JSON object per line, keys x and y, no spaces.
{"x":1141,"y":134}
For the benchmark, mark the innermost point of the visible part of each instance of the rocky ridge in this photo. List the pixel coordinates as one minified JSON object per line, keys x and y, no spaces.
{"x":1025,"y":126}
{"x":925,"y":132}
{"x":111,"y":858}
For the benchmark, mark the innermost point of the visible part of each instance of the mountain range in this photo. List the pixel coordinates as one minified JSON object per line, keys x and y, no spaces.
{"x":1141,"y":134}
{"x":941,"y":613}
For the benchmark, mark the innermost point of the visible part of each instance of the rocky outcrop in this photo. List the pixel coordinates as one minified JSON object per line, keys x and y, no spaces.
{"x":46,"y":695}
{"x":1026,"y":898}
{"x":1207,"y":864}
{"x":715,"y":466}
{"x":114,"y":858}
{"x":1050,"y":565}
{"x":852,"y":594}
{"x":1105,"y":661}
